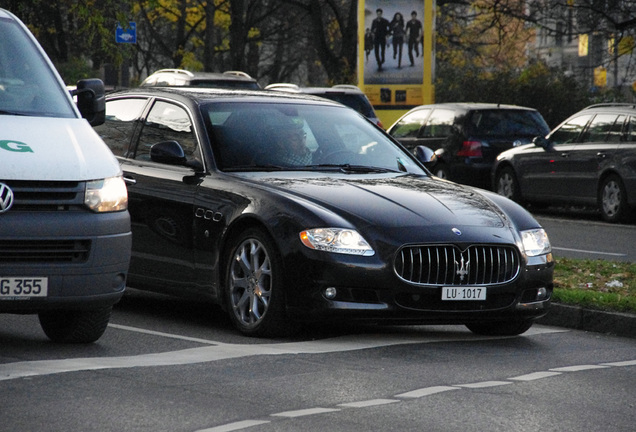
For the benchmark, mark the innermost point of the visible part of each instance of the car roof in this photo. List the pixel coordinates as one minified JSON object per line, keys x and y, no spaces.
{"x":222,"y":94}
{"x":293,"y":88}
{"x":611,"y":107}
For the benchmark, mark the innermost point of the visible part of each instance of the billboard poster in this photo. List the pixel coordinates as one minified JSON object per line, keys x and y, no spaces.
{"x":395,"y":55}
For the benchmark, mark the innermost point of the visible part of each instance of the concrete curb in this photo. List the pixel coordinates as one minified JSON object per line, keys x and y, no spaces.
{"x":614,"y":323}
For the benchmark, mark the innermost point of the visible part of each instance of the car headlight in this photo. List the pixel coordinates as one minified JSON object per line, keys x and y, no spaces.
{"x":337,"y":240}
{"x":536,"y":242}
{"x":106,"y":195}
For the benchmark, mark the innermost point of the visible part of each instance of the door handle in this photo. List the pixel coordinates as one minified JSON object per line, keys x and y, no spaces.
{"x":129,"y":180}
{"x":601,"y":155}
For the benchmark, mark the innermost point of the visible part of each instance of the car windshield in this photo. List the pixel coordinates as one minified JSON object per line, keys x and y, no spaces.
{"x":27,"y":85}
{"x":289,"y":136}
{"x":503,"y":122}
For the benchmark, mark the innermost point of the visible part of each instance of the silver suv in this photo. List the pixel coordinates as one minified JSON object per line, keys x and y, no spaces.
{"x":184,"y":78}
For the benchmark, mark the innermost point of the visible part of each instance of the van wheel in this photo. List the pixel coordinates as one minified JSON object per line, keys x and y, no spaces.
{"x":253,"y":288}
{"x":612,"y":199}
{"x":506,"y":184}
{"x":83,"y":326}
{"x":501,"y":328}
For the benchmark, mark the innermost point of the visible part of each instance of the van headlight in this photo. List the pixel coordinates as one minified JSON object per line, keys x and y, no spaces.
{"x":106,"y":195}
{"x":336,"y":240}
{"x":536,"y":242}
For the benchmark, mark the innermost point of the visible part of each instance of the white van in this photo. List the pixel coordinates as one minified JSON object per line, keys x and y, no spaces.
{"x":64,"y":225}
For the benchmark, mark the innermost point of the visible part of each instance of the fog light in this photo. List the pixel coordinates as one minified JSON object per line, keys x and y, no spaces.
{"x":330,"y":293}
{"x":542,"y":293}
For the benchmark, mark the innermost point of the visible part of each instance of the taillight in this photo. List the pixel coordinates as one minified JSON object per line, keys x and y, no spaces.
{"x":470,"y":149}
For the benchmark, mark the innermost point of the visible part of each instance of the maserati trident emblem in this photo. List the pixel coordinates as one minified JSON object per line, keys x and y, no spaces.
{"x":6,"y":198}
{"x":462,"y":268}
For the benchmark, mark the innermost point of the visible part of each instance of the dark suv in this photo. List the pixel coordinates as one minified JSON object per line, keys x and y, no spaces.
{"x":589,"y":159}
{"x":467,"y":137}
{"x":184,"y":78}
{"x":345,"y":94}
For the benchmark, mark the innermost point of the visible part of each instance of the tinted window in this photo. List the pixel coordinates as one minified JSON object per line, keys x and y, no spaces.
{"x":631,"y":131}
{"x":264,"y":136}
{"x":410,"y":125}
{"x":570,"y":131}
{"x":616,"y":132}
{"x":167,"y":122}
{"x":506,"y":123}
{"x":121,"y":116}
{"x":599,"y":128}
{"x":439,"y":124}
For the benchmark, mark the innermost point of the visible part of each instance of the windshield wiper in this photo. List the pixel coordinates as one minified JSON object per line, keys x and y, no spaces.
{"x":247,"y":168}
{"x":348,"y":168}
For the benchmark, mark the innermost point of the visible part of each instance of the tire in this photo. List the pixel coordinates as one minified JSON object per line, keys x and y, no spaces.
{"x":253,"y":288}
{"x":612,"y":199}
{"x":501,"y":328}
{"x":507,"y":185}
{"x":83,"y":326}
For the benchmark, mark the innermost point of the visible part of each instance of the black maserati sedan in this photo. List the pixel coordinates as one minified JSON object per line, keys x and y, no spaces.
{"x":289,"y":209}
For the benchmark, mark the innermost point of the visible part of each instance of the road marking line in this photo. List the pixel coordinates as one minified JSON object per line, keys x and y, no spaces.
{"x":235,"y":426}
{"x":368,"y":403}
{"x":484,"y":384}
{"x":305,"y":412}
{"x":623,"y":363}
{"x":426,"y":391}
{"x":167,"y":335}
{"x":534,"y":376}
{"x":589,"y":251}
{"x":578,"y":368}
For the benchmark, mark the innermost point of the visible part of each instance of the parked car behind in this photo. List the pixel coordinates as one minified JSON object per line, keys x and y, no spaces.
{"x":185,"y":78}
{"x":467,"y":137}
{"x":348,"y":95}
{"x":289,"y":208}
{"x":588,"y":159}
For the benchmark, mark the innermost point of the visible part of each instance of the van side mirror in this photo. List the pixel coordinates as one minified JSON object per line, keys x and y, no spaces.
{"x":91,"y":100}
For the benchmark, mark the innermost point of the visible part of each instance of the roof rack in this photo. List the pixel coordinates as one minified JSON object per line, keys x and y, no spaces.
{"x":237,"y":73}
{"x":283,"y":87}
{"x":612,"y":104}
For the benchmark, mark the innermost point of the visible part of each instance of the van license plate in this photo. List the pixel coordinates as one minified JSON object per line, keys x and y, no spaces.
{"x":456,"y":293}
{"x":16,"y":288}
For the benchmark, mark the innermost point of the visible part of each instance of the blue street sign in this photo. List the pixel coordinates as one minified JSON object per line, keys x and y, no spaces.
{"x":127,"y":35}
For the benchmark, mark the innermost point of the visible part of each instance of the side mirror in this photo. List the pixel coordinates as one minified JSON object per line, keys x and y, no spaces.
{"x":541,"y":142}
{"x":425,"y":155}
{"x":91,"y":100}
{"x":168,"y":152}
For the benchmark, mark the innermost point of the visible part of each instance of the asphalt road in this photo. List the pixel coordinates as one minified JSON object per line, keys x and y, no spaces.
{"x":173,"y":365}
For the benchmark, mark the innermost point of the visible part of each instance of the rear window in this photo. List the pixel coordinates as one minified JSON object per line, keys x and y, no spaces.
{"x":507,"y":123}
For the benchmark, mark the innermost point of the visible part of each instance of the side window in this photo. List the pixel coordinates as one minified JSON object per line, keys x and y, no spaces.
{"x":599,"y":128}
{"x":410,"y":125}
{"x":631,"y":130}
{"x":439,"y":124}
{"x":616,"y":132}
{"x":121,"y":118}
{"x":167,"y":122}
{"x":570,"y":131}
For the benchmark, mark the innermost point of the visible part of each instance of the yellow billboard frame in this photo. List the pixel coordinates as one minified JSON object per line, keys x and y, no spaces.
{"x":391,"y":99}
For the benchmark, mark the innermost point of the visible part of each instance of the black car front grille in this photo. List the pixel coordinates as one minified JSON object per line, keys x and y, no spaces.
{"x":447,"y":265}
{"x":44,"y":251}
{"x":46,"y":195}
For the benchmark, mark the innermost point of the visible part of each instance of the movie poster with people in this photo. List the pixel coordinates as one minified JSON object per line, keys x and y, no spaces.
{"x":396,"y":57}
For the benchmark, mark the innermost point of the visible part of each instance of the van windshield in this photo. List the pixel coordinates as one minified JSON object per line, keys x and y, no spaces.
{"x":27,"y":84}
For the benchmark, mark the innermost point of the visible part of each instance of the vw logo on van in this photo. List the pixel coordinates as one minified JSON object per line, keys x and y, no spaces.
{"x":6,"y":198}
